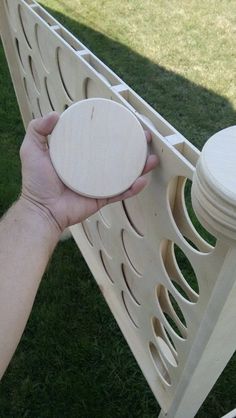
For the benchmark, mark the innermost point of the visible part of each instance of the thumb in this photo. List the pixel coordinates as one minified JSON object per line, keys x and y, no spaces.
{"x":41,"y":127}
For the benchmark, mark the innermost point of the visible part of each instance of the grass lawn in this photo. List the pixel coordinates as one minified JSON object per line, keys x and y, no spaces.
{"x":72,"y":361}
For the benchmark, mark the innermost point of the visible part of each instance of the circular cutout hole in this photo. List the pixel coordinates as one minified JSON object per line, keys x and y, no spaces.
{"x":177,"y":309}
{"x":186,"y":269}
{"x":166,"y":352}
{"x":130,"y":308}
{"x":130,"y":281}
{"x":181,"y":290}
{"x":197,"y":225}
{"x":159,"y":364}
{"x":93,"y":89}
{"x":26,"y":87}
{"x":172,"y":312}
{"x":106,"y":264}
{"x":105,"y":216}
{"x":170,"y":339}
{"x":179,"y":199}
{"x":39,"y":107}
{"x":69,"y":70}
{"x":134,"y":214}
{"x":34,"y":73}
{"x":87,"y":232}
{"x":48,"y":95}
{"x":175,"y":329}
{"x":105,"y":237}
{"x":99,"y":231}
{"x":60,"y":65}
{"x":40,"y":36}
{"x":160,"y":331}
{"x":23,"y":23}
{"x":179,"y":271}
{"x":18,"y":52}
{"x":131,"y":252}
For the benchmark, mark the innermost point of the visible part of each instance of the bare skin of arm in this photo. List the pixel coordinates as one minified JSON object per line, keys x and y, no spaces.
{"x":32,"y":227}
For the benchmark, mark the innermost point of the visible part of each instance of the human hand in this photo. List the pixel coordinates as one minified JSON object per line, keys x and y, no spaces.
{"x":42,"y":187}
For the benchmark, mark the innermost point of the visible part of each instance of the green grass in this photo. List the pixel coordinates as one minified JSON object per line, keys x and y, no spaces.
{"x":72,"y":360}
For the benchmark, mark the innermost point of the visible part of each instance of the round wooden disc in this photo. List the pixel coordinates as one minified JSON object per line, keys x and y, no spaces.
{"x":98,"y":148}
{"x":218,"y":162}
{"x":214,"y":185}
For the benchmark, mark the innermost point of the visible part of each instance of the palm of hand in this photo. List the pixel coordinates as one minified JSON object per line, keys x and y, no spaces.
{"x":41,"y":185}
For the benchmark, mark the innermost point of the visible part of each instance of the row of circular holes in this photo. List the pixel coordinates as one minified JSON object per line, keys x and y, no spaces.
{"x":175,"y":319}
{"x":12,"y":17}
{"x":59,"y":62}
{"x":36,"y":26}
{"x":33,"y":67}
{"x":163,"y":351}
{"x":191,"y":291}
{"x":36,"y":77}
{"x":170,"y":320}
{"x":182,"y":262}
{"x":177,"y":324}
{"x":105,"y":263}
{"x":167,"y":305}
{"x":86,"y":81}
{"x":139,"y":227}
{"x":178,"y":330}
{"x":166,"y":349}
{"x":19,"y":9}
{"x":37,"y":86}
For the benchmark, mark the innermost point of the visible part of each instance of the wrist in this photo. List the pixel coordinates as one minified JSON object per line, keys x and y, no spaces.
{"x":40,"y":213}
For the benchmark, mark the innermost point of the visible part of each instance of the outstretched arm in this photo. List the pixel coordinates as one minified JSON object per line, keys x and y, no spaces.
{"x":27,"y":240}
{"x":31,"y":228}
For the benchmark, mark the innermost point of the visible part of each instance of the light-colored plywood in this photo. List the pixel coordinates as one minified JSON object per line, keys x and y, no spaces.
{"x":98,"y":148}
{"x":179,"y":330}
{"x":231,"y":414}
{"x":11,"y":44}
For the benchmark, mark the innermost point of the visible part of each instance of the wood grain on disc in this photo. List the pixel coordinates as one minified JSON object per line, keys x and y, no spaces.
{"x":98,"y":148}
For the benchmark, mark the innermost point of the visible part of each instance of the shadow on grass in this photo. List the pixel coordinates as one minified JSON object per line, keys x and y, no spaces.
{"x":72,"y":361}
{"x":195,"y":111}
